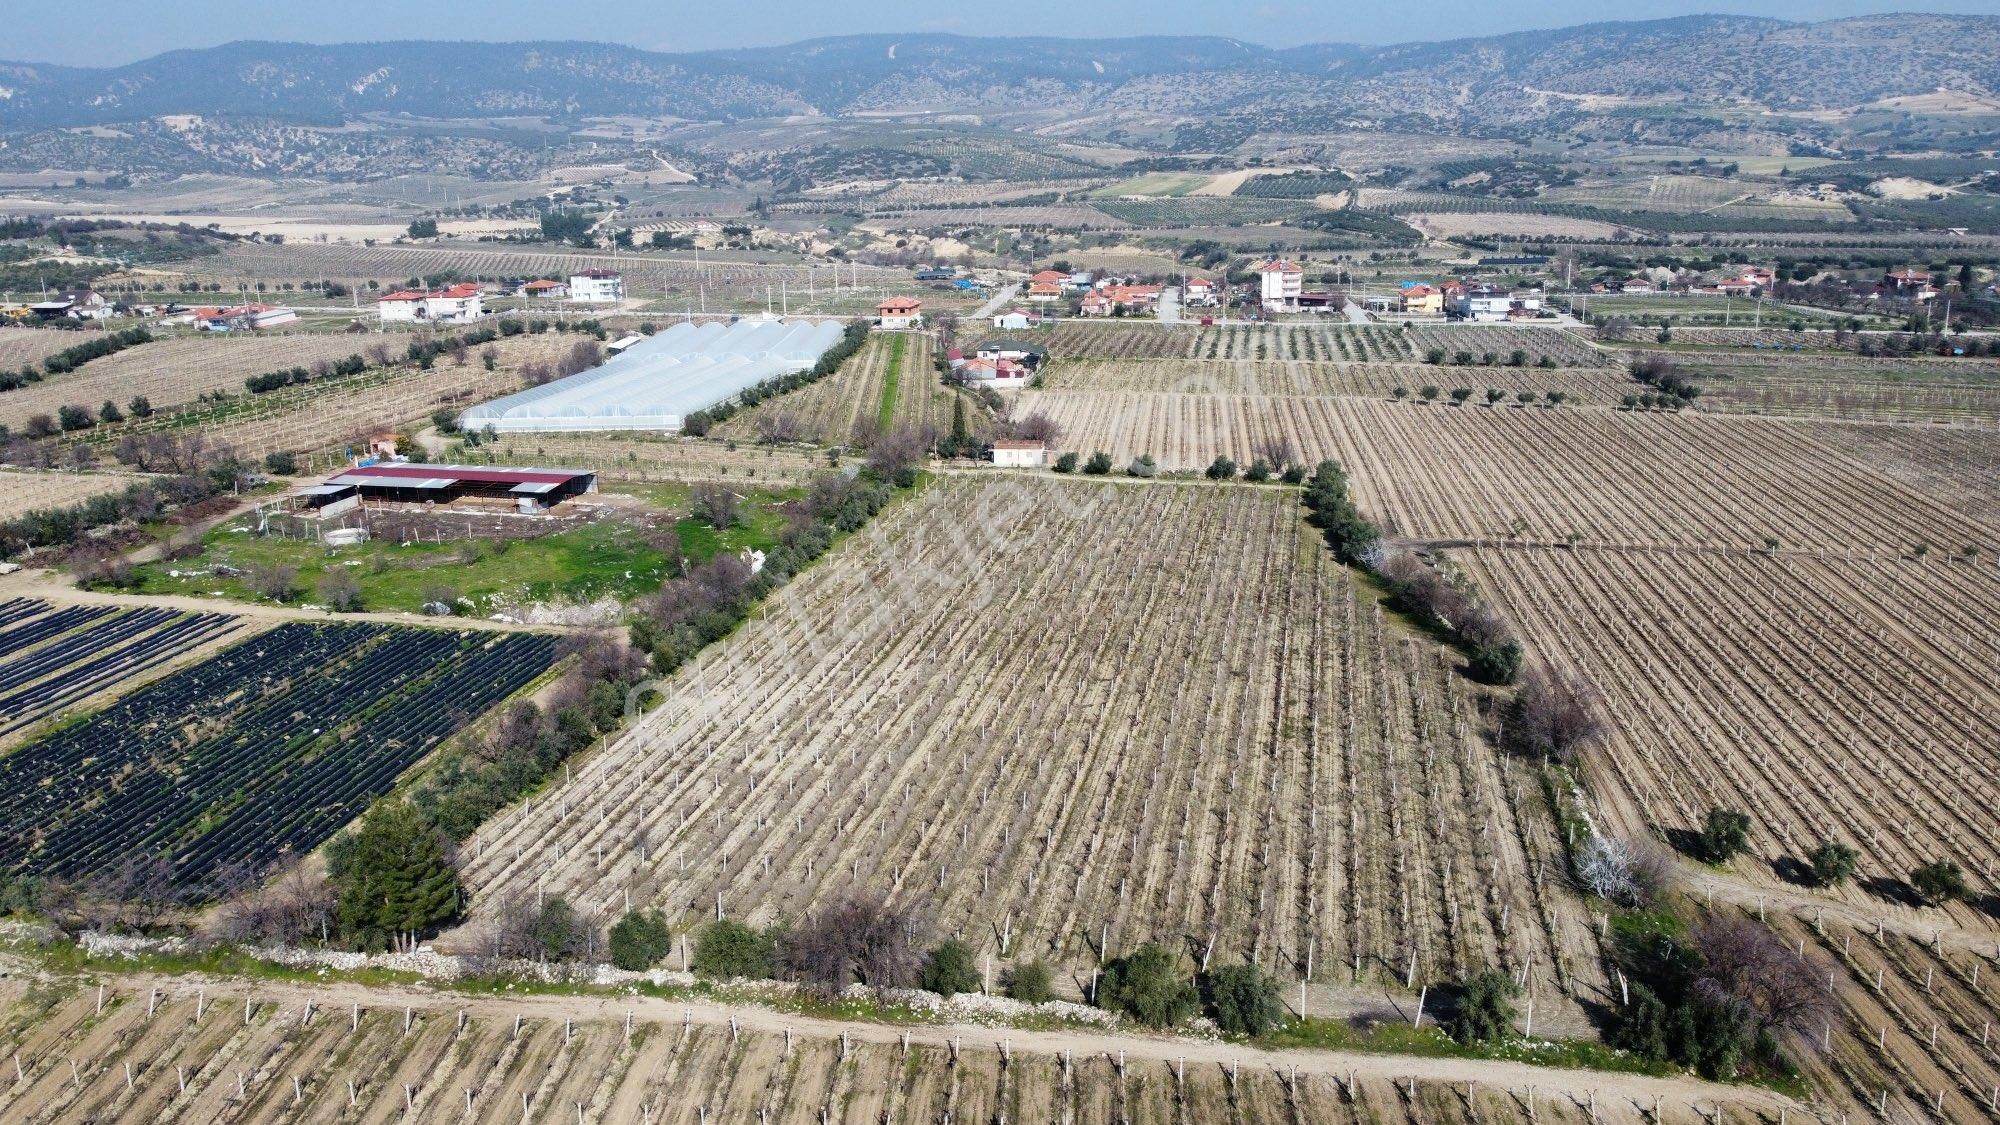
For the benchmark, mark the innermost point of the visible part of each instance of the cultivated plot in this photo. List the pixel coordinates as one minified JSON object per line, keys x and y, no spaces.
{"x":1060,"y":714}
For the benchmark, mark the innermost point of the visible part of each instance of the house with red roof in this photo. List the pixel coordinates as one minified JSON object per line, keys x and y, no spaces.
{"x":456,"y":304}
{"x":1280,"y":281}
{"x":544,"y":289}
{"x":900,"y":312}
{"x":1198,"y":291}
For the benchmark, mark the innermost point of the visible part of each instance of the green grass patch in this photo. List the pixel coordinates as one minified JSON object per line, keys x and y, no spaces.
{"x":886,"y":413}
{"x":1158,"y":185}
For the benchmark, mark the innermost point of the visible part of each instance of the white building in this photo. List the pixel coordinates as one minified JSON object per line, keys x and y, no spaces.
{"x":1011,"y":454}
{"x":1280,"y":283}
{"x":455,"y":305}
{"x":1199,"y":291}
{"x":597,"y":287}
{"x":242,"y":318}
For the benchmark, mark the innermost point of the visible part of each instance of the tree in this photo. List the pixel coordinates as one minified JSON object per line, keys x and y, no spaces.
{"x":74,"y":418}
{"x":1428,"y":392}
{"x":1940,"y":881}
{"x":949,"y":970}
{"x":728,"y":950}
{"x":1032,"y":983}
{"x":1222,"y":468}
{"x":1724,"y":835}
{"x":1485,"y":1009}
{"x":558,"y":933}
{"x":1497,"y":664}
{"x":393,"y":878}
{"x":696,"y":424}
{"x":1066,"y":463}
{"x":640,"y":940}
{"x":278,"y":583}
{"x":1258,"y":472}
{"x":1833,"y":863}
{"x":1148,"y":985}
{"x":423,"y":228}
{"x":715,"y":505}
{"x":1552,"y":717}
{"x":140,"y":407}
{"x":1494,"y":395}
{"x":109,"y":412}
{"x":1098,"y":465}
{"x":1245,"y":999}
{"x":1460,"y":394}
{"x":1747,"y":967}
{"x":339,"y":592}
{"x":1629,"y":873}
{"x":861,"y":938}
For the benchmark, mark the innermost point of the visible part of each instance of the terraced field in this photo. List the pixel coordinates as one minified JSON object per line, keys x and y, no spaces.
{"x":24,"y":491}
{"x":1300,"y":379}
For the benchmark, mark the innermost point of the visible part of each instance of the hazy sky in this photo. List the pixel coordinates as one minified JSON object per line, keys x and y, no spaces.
{"x":108,"y":32}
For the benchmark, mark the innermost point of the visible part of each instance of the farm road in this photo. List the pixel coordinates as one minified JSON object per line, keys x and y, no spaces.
{"x":1578,"y":1084}
{"x":992,"y":307}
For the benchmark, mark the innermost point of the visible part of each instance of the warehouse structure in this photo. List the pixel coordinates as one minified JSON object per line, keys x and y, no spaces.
{"x":528,"y":490}
{"x":660,"y":380}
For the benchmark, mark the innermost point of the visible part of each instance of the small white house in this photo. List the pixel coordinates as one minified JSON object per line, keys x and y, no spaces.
{"x":458,"y":304}
{"x":543,"y":289}
{"x":1015,"y":319}
{"x":597,"y":287}
{"x":1009,"y":453}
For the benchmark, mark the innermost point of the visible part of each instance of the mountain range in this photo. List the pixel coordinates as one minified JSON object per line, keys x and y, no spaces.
{"x":1775,"y":64}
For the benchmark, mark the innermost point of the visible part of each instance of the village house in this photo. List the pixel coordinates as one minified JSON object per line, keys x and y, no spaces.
{"x":242,"y":318}
{"x":597,"y":287}
{"x":1279,"y":283}
{"x":457,"y":304}
{"x":1013,"y":351}
{"x":1016,"y":319}
{"x":900,"y":312}
{"x":544,"y":289}
{"x":1913,"y":284}
{"x":1419,"y":299}
{"x":1199,"y":291}
{"x":1000,"y":374}
{"x":1013,"y":453}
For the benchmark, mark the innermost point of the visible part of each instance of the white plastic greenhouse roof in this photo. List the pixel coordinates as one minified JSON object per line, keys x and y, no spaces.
{"x":657,"y":382}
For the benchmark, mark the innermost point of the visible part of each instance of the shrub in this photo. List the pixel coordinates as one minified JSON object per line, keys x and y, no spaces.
{"x":1833,"y":863}
{"x":1428,"y":392}
{"x":640,"y":940}
{"x":1460,"y":394}
{"x":339,"y":592}
{"x":1066,"y":463}
{"x":726,"y":950}
{"x":949,"y":970}
{"x":1099,"y":464}
{"x":74,"y":418}
{"x":696,"y":424}
{"x":1258,"y":472}
{"x":1495,"y":664}
{"x":1485,"y":1009}
{"x":281,"y":463}
{"x":1294,"y":473}
{"x":1032,"y":983}
{"x":1222,"y":468}
{"x":109,"y":412}
{"x":1939,"y":882}
{"x":1724,"y":835}
{"x":856,"y":939}
{"x":1244,"y":999}
{"x":1149,"y":986}
{"x":1634,"y":874}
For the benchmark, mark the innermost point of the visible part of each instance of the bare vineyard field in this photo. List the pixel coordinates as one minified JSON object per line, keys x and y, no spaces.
{"x":1255,"y":378}
{"x":1955,"y":466}
{"x":845,"y":407}
{"x":200,"y":1052}
{"x":1481,"y":340}
{"x":1963,"y":391}
{"x":676,"y":280}
{"x":1338,"y":343}
{"x":1209,"y":737}
{"x":651,"y":457}
{"x":24,"y":492}
{"x":176,"y":371}
{"x":1541,"y":475}
{"x":1831,"y":699}
{"x":22,"y":347}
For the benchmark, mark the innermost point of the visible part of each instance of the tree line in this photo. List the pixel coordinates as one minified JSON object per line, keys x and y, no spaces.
{"x":75,"y":356}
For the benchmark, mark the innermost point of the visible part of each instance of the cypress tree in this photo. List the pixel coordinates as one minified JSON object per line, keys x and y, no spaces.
{"x":393,"y":878}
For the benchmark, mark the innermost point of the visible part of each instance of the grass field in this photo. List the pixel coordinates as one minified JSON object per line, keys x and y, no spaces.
{"x":1155,"y":185}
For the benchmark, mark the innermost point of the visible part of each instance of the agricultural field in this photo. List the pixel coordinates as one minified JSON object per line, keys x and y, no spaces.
{"x":1154,"y":185}
{"x":1205,"y":210}
{"x":1330,"y":342}
{"x":847,"y":407}
{"x":1584,"y":385}
{"x":1915,"y":389}
{"x":172,"y":372}
{"x":52,"y":659}
{"x":22,"y":492}
{"x":261,"y":752}
{"x":1478,"y":341}
{"x":167,"y":1050}
{"x":651,"y":458}
{"x":1830,"y":698}
{"x":1956,"y":466}
{"x":1737,"y":320}
{"x":22,"y":347}
{"x":1237,"y":754}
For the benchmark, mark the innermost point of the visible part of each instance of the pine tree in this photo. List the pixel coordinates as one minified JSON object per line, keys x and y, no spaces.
{"x":394,"y":880}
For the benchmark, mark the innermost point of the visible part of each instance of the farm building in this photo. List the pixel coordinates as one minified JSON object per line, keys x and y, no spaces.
{"x":1011,"y":454}
{"x":658,"y":381}
{"x":455,"y":305}
{"x":1027,"y":355}
{"x":901,"y":312}
{"x":242,"y":318}
{"x":530,"y":490}
{"x":1000,"y":374}
{"x":597,"y":287}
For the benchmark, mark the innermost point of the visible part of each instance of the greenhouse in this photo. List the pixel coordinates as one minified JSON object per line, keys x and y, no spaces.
{"x":662,"y":379}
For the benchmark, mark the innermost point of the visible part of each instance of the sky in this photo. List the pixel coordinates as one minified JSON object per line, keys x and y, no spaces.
{"x":122,"y":31}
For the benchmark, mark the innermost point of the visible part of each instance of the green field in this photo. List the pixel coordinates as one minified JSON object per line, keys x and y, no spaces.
{"x":1155,"y":184}
{"x":610,"y":557}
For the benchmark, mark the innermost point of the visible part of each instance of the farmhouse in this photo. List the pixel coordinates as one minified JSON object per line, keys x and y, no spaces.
{"x":901,"y":312}
{"x":1914,"y":284}
{"x":1420,"y":300}
{"x":242,"y":318}
{"x":528,"y":490}
{"x":455,"y":305}
{"x":1279,"y":283}
{"x":1000,"y":374}
{"x":1045,"y":291}
{"x":1013,"y":351}
{"x":1009,"y":453}
{"x":1016,"y":319}
{"x":1198,"y":291}
{"x":597,"y":287}
{"x":544,"y":289}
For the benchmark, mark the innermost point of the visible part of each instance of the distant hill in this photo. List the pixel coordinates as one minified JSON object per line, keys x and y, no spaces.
{"x":1832,"y":64}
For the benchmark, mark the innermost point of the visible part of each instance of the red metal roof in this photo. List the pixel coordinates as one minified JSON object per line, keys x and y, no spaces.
{"x":412,"y":471}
